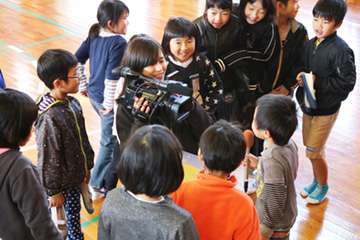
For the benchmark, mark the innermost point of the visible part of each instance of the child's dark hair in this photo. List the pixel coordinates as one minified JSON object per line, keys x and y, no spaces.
{"x":330,"y":9}
{"x":109,"y":10}
{"x":285,"y":2}
{"x":223,"y":146}
{"x":222,"y":4}
{"x":267,"y":4}
{"x":151,"y":163}
{"x":55,"y":64}
{"x":18,"y":113}
{"x":140,"y":52}
{"x":178,"y":28}
{"x":277,"y":114}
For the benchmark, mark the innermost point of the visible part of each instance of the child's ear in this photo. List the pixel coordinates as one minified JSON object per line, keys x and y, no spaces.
{"x":339,"y":25}
{"x":200,"y":156}
{"x":58,"y":83}
{"x":110,"y":25}
{"x":280,"y":5}
{"x":267,"y":134}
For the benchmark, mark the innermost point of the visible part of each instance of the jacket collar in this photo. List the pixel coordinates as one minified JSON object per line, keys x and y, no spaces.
{"x":45,"y":102}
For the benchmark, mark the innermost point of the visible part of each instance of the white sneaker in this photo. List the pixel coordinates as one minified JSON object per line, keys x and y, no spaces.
{"x":96,"y":194}
{"x":59,"y":218}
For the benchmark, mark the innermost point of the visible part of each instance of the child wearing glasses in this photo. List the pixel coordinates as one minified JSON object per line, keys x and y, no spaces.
{"x":65,"y":155}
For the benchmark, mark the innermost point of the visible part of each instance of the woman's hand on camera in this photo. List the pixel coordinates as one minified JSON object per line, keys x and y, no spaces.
{"x":141,"y":104}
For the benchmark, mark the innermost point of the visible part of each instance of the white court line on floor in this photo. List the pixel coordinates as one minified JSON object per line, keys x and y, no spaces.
{"x":15,"y":48}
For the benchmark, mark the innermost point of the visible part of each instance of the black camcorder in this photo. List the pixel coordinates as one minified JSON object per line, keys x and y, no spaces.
{"x":165,"y":98}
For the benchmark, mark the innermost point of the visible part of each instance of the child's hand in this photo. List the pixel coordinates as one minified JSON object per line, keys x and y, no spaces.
{"x":138,"y":104}
{"x":280,"y":90}
{"x":253,"y":161}
{"x":56,"y":201}
{"x":299,"y":79}
{"x":104,"y":111}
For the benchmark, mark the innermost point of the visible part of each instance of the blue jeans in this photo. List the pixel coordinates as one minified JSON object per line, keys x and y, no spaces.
{"x":107,"y":144}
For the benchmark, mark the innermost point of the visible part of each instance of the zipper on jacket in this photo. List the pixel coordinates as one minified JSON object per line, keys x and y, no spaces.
{"x":78,"y":128}
{"x":280,"y":63}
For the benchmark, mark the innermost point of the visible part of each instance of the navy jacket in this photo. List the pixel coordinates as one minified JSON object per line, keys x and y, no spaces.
{"x":333,"y":64}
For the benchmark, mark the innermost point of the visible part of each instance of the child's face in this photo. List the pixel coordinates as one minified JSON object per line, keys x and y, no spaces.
{"x":72,"y":84}
{"x":121,"y":25}
{"x":157,"y":70}
{"x":218,"y":17}
{"x":182,"y":48}
{"x":291,"y":10}
{"x":324,"y":28}
{"x":254,"y":12}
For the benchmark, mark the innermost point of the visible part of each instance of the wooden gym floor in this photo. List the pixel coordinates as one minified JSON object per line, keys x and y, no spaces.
{"x":30,"y":27}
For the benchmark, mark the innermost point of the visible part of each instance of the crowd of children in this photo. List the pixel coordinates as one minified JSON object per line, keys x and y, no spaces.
{"x":242,"y":63}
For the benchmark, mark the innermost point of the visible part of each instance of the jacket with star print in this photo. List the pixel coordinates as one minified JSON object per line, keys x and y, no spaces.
{"x":209,"y":81}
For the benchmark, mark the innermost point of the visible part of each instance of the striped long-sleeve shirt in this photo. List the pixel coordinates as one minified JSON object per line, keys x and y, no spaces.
{"x":276,"y":196}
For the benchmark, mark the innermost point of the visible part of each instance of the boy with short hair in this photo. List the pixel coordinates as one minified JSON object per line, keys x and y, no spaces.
{"x":286,"y":62}
{"x":219,"y":210}
{"x":65,"y":155}
{"x":330,"y":65}
{"x":275,"y":121}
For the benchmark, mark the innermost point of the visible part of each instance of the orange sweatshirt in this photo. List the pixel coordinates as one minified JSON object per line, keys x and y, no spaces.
{"x":220,"y":211}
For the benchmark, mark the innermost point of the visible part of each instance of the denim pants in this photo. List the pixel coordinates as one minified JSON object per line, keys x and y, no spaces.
{"x":107,"y":144}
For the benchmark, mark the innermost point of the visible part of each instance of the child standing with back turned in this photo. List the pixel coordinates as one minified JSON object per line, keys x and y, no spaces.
{"x":23,"y":207}
{"x":275,"y":121}
{"x":330,"y":65}
{"x":150,"y":168}
{"x":65,"y":155}
{"x":220,"y":211}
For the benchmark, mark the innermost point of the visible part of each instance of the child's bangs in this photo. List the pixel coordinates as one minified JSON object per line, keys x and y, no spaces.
{"x":221,"y":4}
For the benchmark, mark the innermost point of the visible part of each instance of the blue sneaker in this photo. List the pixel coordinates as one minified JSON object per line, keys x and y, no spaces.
{"x":309,"y":189}
{"x":318,"y":195}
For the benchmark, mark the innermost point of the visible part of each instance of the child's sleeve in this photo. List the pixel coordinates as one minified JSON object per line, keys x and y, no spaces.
{"x":290,"y":82}
{"x":104,"y":228}
{"x":83,"y":86}
{"x":259,"y":53}
{"x":342,"y":78}
{"x":249,"y":227}
{"x":188,"y":230}
{"x":211,"y":86}
{"x":115,"y":58}
{"x":30,"y":199}
{"x":50,"y":158}
{"x":199,"y":120}
{"x":82,"y":54}
{"x":273,"y":195}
